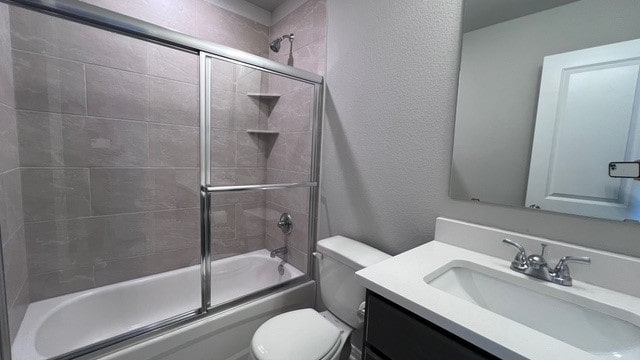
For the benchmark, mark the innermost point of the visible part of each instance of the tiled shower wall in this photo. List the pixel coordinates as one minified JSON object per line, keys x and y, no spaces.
{"x":292,"y":116}
{"x":108,"y":145}
{"x":108,"y":139}
{"x":237,"y":159}
{"x":11,"y":218}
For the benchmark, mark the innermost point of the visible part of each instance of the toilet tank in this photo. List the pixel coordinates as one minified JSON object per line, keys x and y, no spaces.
{"x":341,"y":258}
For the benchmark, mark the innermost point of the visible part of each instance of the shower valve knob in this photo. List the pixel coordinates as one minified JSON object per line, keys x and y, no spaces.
{"x":286,"y":223}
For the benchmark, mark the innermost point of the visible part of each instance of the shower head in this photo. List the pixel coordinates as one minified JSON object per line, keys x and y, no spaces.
{"x":275,"y":44}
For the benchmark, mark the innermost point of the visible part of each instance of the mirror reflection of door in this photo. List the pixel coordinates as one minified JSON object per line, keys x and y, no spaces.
{"x":587,"y":116}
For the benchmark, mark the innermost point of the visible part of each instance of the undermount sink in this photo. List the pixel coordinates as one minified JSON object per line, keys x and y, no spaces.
{"x":552,"y":311}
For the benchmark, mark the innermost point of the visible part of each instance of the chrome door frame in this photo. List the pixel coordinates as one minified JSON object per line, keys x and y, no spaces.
{"x":77,"y":11}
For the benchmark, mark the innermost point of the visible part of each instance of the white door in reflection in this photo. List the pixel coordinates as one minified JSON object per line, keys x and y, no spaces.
{"x":587,"y":117}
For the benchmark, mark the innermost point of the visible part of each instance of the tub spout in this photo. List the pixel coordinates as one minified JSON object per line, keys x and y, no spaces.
{"x":279,"y":251}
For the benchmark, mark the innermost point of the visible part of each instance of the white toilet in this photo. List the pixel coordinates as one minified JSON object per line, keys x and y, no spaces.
{"x":308,"y":335}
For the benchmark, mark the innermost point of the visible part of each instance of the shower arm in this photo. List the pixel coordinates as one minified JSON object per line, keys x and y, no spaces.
{"x":290,"y":37}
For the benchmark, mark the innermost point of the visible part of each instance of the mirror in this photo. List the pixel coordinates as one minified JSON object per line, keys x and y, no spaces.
{"x":549,"y":94}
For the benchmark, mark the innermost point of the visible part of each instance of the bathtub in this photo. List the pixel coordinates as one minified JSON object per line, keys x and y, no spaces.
{"x":58,"y":325}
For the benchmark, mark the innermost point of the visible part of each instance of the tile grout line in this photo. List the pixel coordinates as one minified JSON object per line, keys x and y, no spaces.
{"x":104,"y":118}
{"x":107,"y":215}
{"x":145,"y":73}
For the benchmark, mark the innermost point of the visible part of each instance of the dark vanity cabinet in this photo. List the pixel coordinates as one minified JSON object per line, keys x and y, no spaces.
{"x":394,"y":333}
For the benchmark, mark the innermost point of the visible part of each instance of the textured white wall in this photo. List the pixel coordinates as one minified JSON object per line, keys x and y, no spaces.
{"x":391,"y":94}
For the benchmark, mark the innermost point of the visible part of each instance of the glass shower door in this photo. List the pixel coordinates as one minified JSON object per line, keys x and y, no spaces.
{"x":104,"y":216}
{"x":261,"y":161}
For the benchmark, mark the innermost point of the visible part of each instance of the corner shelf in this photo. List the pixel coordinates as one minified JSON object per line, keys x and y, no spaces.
{"x":262,"y":132}
{"x":267,"y":96}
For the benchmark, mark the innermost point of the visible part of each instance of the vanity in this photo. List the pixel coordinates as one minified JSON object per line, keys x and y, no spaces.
{"x":457,"y":297}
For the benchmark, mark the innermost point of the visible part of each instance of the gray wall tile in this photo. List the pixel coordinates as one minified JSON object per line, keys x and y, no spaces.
{"x":179,"y":15}
{"x":173,"y":145}
{"x":293,"y":112}
{"x":175,"y":229}
{"x":222,"y":108}
{"x":277,"y":158}
{"x":225,"y":248}
{"x":6,"y":67}
{"x":294,"y":199}
{"x":223,"y":144}
{"x":55,"y":193}
{"x":8,"y":138}
{"x":298,"y":149}
{"x":224,"y":176}
{"x":117,"y":94}
{"x":40,"y":138}
{"x":247,"y":149}
{"x":245,"y":112}
{"x":11,"y":211}
{"x":48,"y":139}
{"x":250,"y":220}
{"x":272,"y":243}
{"x":15,"y":265}
{"x":282,"y":85}
{"x":307,"y":57}
{"x":248,"y":80}
{"x":173,"y":64}
{"x":248,"y":176}
{"x":32,"y":31}
{"x":17,"y":311}
{"x":245,"y":197}
{"x":246,"y":35}
{"x":47,"y":84}
{"x":132,"y":190}
{"x":69,"y":244}
{"x":223,"y":222}
{"x":223,"y":75}
{"x":114,"y":271}
{"x":297,"y":258}
{"x":52,"y":36}
{"x":174,"y":102}
{"x":44,"y":286}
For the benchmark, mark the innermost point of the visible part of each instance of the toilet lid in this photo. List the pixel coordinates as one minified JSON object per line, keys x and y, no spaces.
{"x":295,"y":335}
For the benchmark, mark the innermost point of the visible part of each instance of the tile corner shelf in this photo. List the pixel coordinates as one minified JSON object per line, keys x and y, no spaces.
{"x":270,"y":96}
{"x":262,"y":132}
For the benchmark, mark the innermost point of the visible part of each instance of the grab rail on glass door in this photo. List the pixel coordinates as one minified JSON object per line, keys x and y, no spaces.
{"x":236,"y":188}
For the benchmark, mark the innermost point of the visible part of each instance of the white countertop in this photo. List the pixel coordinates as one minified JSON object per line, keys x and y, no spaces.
{"x":401,"y":280}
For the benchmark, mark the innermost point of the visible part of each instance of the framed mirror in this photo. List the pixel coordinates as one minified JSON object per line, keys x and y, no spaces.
{"x":549,"y":95}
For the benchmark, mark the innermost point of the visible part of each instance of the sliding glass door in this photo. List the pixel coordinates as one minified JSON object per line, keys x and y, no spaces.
{"x":103,"y":197}
{"x":259,"y":177}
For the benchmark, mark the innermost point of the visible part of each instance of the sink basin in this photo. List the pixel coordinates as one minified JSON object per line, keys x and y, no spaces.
{"x":555,"y":312}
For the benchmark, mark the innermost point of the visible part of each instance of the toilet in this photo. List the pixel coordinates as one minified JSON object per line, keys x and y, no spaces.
{"x":307,"y":334}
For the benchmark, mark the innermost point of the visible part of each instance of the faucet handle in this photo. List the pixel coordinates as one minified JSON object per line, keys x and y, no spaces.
{"x":544,"y":247}
{"x":562,"y":274}
{"x":520,"y":261}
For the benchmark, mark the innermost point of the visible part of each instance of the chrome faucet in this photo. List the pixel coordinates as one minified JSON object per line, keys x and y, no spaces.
{"x":279,"y":251}
{"x":536,"y":265}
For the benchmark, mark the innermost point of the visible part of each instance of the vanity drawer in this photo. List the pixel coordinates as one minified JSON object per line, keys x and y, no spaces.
{"x":399,"y":334}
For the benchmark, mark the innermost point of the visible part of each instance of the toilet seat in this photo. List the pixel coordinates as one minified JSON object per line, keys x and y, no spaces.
{"x":296,"y":335}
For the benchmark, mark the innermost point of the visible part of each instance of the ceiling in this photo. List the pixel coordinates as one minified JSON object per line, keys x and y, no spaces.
{"x":268,"y":5}
{"x":483,"y":13}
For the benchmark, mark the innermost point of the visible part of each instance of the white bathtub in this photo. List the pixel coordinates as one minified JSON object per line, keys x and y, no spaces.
{"x":55,"y":326}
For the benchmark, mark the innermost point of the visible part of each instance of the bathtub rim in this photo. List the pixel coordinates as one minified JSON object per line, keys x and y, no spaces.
{"x":166,"y":326}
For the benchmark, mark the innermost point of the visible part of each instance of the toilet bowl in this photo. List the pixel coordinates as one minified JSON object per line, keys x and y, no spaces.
{"x":307,"y":334}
